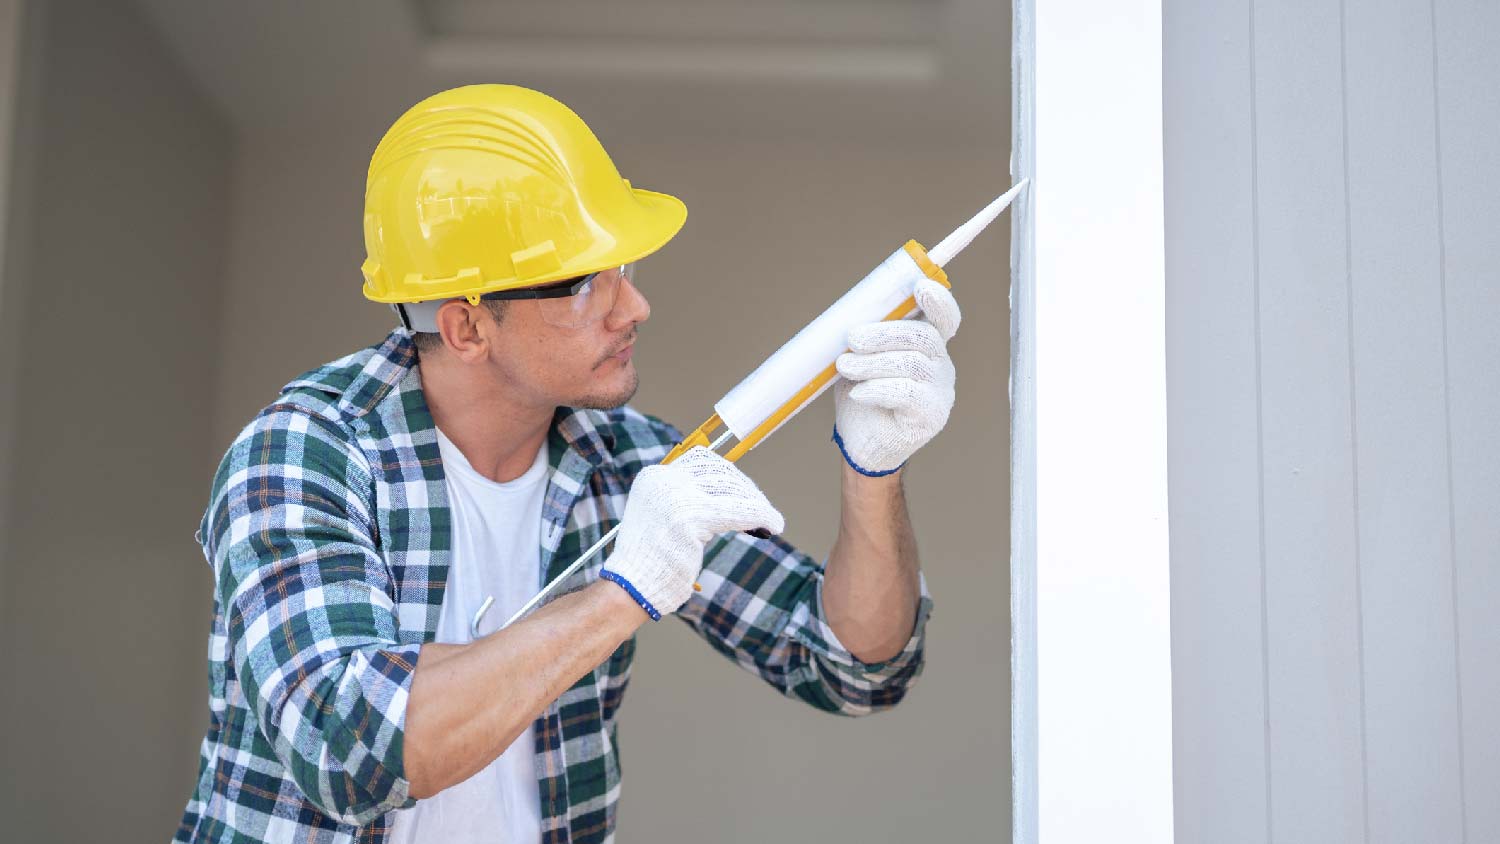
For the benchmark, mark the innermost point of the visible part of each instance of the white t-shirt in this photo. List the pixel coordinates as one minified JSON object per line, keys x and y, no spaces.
{"x":496,"y":551}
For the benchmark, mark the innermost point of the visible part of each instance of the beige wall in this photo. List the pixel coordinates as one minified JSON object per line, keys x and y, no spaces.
{"x":250,"y":266}
{"x":105,"y":602}
{"x":775,"y":233}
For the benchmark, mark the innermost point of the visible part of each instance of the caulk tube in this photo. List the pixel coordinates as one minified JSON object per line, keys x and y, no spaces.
{"x":804,"y":367}
{"x":801,"y":370}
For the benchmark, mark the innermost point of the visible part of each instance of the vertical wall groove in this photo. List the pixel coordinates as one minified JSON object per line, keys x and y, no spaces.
{"x":1260,"y":444}
{"x":1364,"y":746}
{"x":1437,"y":166}
{"x":1403,"y":475}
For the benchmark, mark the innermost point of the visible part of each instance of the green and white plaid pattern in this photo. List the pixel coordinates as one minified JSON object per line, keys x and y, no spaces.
{"x":328,"y":531}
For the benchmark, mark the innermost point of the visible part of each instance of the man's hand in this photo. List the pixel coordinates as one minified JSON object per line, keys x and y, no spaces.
{"x":898,"y":384}
{"x":672,"y":512}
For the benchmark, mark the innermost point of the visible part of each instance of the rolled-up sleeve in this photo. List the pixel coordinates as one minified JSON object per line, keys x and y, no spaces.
{"x":762,"y":606}
{"x":308,"y":611}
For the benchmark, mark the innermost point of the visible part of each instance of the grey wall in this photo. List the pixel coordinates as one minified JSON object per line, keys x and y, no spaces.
{"x":1333,"y":266}
{"x":118,"y":234}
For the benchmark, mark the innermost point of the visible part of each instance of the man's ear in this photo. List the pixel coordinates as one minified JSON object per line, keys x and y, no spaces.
{"x":458,"y":324}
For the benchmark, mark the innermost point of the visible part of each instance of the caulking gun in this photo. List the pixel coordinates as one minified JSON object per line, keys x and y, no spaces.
{"x":803,"y":368}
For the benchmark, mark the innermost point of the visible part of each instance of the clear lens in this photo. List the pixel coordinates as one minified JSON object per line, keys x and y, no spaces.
{"x":588,"y":305}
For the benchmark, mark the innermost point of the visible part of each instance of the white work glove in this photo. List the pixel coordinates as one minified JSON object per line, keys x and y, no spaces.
{"x":672,"y":512}
{"x":897,"y":385}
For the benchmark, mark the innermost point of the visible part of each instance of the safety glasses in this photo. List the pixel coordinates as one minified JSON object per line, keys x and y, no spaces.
{"x":573,"y":302}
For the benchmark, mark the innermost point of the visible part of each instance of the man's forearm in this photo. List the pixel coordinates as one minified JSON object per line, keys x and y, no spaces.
{"x":871,"y":588}
{"x":470,"y":702}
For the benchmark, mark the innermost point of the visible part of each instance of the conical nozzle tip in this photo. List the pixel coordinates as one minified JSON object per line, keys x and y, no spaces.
{"x":962,"y":236}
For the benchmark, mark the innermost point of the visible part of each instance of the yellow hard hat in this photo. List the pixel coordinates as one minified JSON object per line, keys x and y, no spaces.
{"x":492,"y":187}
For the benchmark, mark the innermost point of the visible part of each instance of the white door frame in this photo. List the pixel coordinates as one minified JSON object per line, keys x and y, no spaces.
{"x":1091,"y":662}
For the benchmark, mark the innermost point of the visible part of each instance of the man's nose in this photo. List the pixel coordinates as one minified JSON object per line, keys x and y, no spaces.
{"x":631,"y":305}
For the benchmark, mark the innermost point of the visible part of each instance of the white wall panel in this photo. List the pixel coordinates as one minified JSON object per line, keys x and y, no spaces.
{"x":1218,"y":688}
{"x":1332,"y":173}
{"x":1411,"y":707}
{"x":1315,"y":735}
{"x":1467,"y":81}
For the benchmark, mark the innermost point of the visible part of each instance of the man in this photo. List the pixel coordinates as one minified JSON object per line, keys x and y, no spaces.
{"x":359,"y":523}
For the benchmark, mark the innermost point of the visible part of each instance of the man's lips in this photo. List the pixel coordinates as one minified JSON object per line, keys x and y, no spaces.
{"x":623,"y":355}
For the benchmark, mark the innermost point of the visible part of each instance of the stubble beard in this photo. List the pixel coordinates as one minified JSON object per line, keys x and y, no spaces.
{"x":610,"y":401}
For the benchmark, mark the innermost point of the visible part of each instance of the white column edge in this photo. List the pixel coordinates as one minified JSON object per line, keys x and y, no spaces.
{"x":1091,"y":661}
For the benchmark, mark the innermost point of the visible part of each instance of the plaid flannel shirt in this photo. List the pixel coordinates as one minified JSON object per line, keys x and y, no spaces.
{"x":329,"y":535}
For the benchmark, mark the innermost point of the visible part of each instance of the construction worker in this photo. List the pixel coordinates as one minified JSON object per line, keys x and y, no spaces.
{"x":358,"y":523}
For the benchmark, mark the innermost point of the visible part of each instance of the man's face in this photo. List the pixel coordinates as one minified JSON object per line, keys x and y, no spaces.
{"x":577,"y":367}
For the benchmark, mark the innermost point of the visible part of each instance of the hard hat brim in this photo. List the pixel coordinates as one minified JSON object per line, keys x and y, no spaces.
{"x":667,"y":214}
{"x":661,"y":216}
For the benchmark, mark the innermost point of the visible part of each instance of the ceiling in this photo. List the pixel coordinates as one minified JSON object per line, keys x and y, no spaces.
{"x":827,"y":70}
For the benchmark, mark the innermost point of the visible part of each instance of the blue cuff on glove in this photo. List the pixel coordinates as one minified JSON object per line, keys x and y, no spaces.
{"x":839,"y":441}
{"x":634,"y":594}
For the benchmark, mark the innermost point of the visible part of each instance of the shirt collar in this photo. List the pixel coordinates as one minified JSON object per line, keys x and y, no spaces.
{"x":586,"y":432}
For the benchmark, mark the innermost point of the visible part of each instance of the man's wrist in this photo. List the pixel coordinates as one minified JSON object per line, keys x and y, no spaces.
{"x":617,"y":604}
{"x":867,"y":503}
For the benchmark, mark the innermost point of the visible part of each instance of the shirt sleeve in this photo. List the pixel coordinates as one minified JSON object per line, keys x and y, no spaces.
{"x":308,"y":611}
{"x":762,"y":606}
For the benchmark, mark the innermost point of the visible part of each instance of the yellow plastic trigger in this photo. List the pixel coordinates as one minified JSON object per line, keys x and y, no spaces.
{"x":698,"y":437}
